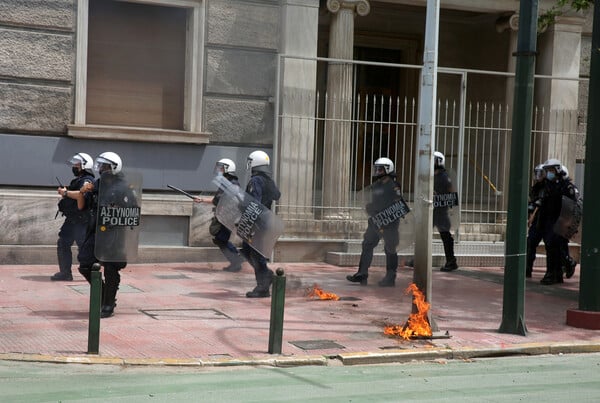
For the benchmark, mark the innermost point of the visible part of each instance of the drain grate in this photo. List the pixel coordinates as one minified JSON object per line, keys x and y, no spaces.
{"x":85,"y":289}
{"x":184,"y":314}
{"x":171,"y":276}
{"x":316,"y":344}
{"x":350,"y":299}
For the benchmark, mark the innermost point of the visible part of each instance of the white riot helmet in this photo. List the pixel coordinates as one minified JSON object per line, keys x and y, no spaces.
{"x":539,"y":173}
{"x":438,"y":159}
{"x":226,"y":166}
{"x":383,"y":166}
{"x":258,"y":158}
{"x":86,"y":161}
{"x":565,"y":171}
{"x":554,"y":163}
{"x":108,"y":162}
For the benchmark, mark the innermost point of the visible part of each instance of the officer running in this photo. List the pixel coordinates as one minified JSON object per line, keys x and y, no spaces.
{"x":221,"y":234}
{"x":108,"y":165}
{"x":385,"y":191}
{"x":76,"y":221}
{"x":262,"y":187}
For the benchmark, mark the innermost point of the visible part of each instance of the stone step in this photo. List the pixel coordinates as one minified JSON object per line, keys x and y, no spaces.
{"x":438,"y":259}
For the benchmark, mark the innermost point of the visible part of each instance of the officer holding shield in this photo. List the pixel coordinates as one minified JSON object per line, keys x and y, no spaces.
{"x":383,"y":223}
{"x":221,"y":234}
{"x":112,"y":194}
{"x":262,"y":187}
{"x":442,"y":185}
{"x":556,"y":188}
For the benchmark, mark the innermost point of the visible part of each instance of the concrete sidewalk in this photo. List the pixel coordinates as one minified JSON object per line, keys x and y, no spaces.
{"x":197,"y":314}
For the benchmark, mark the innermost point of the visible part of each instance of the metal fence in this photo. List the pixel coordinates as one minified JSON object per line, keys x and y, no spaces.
{"x":473,"y":130}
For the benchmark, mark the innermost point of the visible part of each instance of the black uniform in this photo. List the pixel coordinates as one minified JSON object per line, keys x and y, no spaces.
{"x":441,"y":220}
{"x":535,"y":232}
{"x":385,"y":191}
{"x":262,"y":187}
{"x":73,"y":229}
{"x":549,"y":212}
{"x":120,"y":191}
{"x":221,"y":234}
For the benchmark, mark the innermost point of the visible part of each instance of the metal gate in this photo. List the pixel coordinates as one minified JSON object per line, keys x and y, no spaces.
{"x":473,"y":130}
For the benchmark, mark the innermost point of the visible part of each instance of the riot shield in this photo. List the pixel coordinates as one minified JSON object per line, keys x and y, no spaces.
{"x":245,"y":216}
{"x":446,"y":210}
{"x":395,"y":209}
{"x":118,"y":217}
{"x":568,"y":222}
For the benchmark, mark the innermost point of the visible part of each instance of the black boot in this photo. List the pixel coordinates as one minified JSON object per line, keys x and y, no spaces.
{"x":235,"y":260}
{"x":389,"y":280}
{"x":109,"y":302}
{"x":109,"y":294}
{"x":449,"y":266}
{"x":551,"y":278}
{"x":570,"y":264}
{"x":358,"y":278}
{"x":391,"y":265}
{"x":263,"y":283}
{"x":448,"y":242}
{"x":62,"y":276}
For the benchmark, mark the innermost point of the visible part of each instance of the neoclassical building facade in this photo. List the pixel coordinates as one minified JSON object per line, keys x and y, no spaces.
{"x":323,"y":86}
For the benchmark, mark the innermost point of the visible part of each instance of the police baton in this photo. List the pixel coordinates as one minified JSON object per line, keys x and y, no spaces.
{"x":181,"y":191}
{"x":61,"y":185}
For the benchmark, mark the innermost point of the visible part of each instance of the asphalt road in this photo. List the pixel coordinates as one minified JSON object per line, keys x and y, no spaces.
{"x":560,"y":378}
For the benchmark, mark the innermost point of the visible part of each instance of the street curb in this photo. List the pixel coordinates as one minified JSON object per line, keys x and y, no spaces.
{"x":358,"y":358}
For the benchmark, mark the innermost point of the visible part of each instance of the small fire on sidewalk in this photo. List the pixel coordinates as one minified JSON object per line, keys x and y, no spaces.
{"x":318,"y":292}
{"x":418,"y":323}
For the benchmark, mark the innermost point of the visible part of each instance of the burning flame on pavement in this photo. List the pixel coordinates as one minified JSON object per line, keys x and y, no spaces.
{"x":318,"y":292}
{"x":417,"y":324}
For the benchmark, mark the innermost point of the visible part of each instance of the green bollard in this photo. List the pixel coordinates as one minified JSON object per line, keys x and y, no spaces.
{"x":95,"y":301}
{"x":277,"y":305}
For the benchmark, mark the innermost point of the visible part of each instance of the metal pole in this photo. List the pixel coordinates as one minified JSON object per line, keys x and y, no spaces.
{"x":589,"y":297}
{"x":95,"y":301}
{"x":277,"y":308}
{"x":423,"y":206}
{"x":513,"y":304}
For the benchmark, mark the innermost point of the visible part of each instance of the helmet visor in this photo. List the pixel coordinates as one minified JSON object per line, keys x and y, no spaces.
{"x":379,"y":170}
{"x":103,"y":165}
{"x":220,"y":168}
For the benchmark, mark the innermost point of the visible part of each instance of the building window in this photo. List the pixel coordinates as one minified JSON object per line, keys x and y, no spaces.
{"x":139,"y":70}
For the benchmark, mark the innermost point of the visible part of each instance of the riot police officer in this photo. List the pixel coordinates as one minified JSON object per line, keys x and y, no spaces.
{"x":75,"y":224}
{"x":556,"y":188}
{"x":221,"y":234}
{"x":262,"y":187}
{"x":441,"y":220}
{"x":108,"y":165}
{"x":385,"y":190}
{"x":535,"y":234}
{"x":568,"y":263}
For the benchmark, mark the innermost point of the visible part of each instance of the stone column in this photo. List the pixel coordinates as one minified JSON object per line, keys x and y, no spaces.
{"x":297,"y":109}
{"x":337,"y":151}
{"x":559,"y":56}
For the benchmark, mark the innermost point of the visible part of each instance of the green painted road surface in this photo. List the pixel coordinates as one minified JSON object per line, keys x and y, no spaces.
{"x":560,"y":378}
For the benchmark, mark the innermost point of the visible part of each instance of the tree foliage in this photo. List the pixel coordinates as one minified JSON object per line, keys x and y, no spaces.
{"x":561,"y":7}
